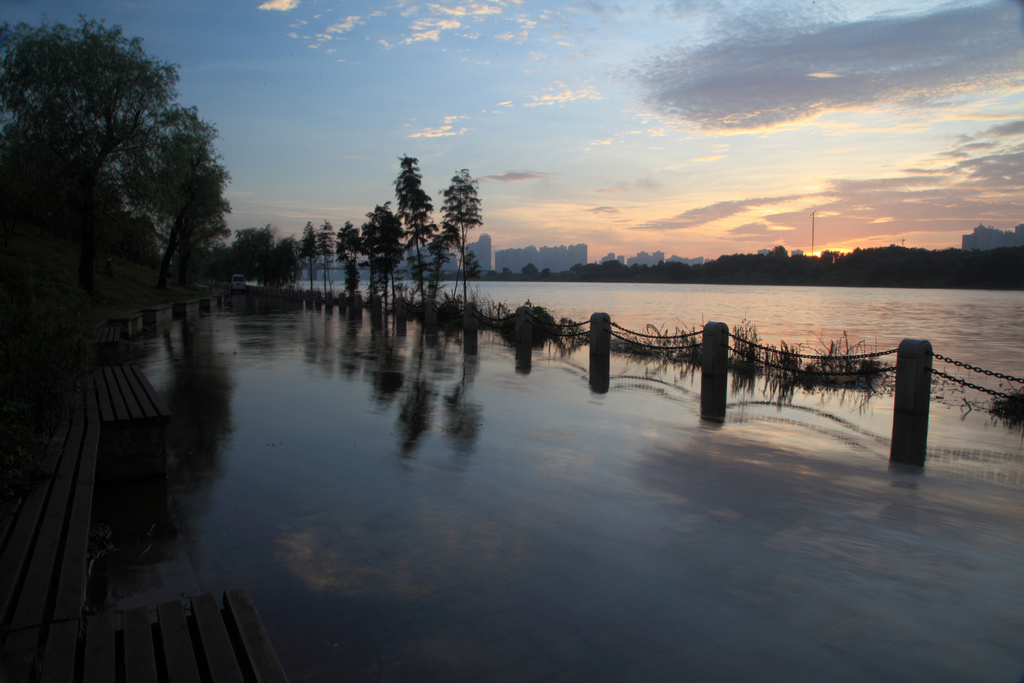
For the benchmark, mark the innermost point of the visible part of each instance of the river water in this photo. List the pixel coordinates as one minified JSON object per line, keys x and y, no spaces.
{"x":402,"y":509}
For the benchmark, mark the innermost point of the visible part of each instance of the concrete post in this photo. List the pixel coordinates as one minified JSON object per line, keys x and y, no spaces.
{"x":357,"y":306}
{"x":401,"y":312}
{"x":600,"y":352}
{"x":524,"y":325}
{"x":912,"y":401}
{"x":430,"y":313}
{"x":376,"y":311}
{"x":470,"y":323}
{"x":714,"y":371}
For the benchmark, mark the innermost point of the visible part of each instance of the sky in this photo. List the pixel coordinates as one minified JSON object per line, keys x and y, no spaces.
{"x":693,"y":127}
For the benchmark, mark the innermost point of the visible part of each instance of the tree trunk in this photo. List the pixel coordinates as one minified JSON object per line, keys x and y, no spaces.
{"x":183,"y":259}
{"x":172,"y":246}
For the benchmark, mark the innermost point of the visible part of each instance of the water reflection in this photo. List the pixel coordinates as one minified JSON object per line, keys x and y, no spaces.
{"x":401,"y":508}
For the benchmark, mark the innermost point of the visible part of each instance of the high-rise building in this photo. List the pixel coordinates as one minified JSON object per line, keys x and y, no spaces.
{"x":555,"y":259}
{"x":989,"y":238}
{"x":482,"y":250}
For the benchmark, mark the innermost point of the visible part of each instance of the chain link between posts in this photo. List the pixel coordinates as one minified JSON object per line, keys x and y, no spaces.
{"x":973,"y":368}
{"x":964,"y":383}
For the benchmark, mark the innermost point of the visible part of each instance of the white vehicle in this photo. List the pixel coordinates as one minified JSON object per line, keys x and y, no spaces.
{"x":237,"y":283}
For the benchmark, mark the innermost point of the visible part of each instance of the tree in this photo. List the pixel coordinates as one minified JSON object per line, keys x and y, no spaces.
{"x":87,"y":102}
{"x":382,"y":244}
{"x":260,"y":255}
{"x":187,"y":190}
{"x":348,"y":247}
{"x":414,"y":209}
{"x":307,"y":249}
{"x":529,"y":269}
{"x":325,"y":243}
{"x":461,"y":210}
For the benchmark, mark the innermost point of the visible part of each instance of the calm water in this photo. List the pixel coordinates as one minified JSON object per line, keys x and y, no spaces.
{"x":402,"y":510}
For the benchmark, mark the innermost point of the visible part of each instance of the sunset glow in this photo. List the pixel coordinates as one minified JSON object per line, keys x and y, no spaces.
{"x":697,"y":129}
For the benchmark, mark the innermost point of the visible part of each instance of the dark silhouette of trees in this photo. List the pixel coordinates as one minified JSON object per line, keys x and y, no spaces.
{"x":188,"y":187}
{"x":461,"y":211}
{"x":86,"y":104}
{"x":258,"y":254}
{"x":382,"y":245}
{"x":325,"y":245}
{"x":348,"y":247}
{"x":307,"y":248}
{"x":413,"y":210}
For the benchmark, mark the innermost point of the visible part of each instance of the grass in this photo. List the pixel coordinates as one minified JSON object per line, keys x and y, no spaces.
{"x":129,"y":288}
{"x":46,"y":346}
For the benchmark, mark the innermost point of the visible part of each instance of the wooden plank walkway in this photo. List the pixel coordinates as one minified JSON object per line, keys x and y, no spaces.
{"x":43,"y":550}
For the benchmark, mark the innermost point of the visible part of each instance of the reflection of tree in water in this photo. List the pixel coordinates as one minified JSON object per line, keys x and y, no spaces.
{"x":198,"y":392}
{"x":388,"y":368}
{"x":464,"y":417}
{"x":414,"y":417}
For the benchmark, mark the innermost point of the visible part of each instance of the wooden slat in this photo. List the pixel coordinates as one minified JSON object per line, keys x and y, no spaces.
{"x":17,"y":661}
{"x":181,"y":660}
{"x":143,"y":398}
{"x":100,"y":649}
{"x":243,"y":618}
{"x":131,"y":402}
{"x":30,"y":610}
{"x":139,"y":653}
{"x":102,"y":393}
{"x":116,"y":398}
{"x":154,"y":397}
{"x":220,"y":656}
{"x":17,"y":552}
{"x":61,"y":653}
{"x":71,"y":588}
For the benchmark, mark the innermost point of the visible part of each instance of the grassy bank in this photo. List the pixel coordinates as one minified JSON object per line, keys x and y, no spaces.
{"x":46,"y":345}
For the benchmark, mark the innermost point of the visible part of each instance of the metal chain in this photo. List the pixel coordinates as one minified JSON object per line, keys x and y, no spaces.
{"x":965,"y":383}
{"x":549,"y":331}
{"x":656,"y":336}
{"x":972,"y":368}
{"x":655,"y":347}
{"x":482,"y":316}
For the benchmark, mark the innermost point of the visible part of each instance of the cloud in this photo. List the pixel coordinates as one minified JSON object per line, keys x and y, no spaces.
{"x":603,"y":209}
{"x":518,"y":176}
{"x":280,"y":5}
{"x":752,"y":229}
{"x":713,"y":212}
{"x":561,"y":93}
{"x":1007,"y":129}
{"x":439,"y":132}
{"x":767,"y":74}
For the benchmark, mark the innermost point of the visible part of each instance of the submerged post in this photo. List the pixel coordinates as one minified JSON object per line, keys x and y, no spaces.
{"x":470,"y":323}
{"x":600,"y":352}
{"x":357,"y":305}
{"x":401,"y":313}
{"x":912,"y":401}
{"x":524,"y":325}
{"x":714,"y":374}
{"x":430,"y":313}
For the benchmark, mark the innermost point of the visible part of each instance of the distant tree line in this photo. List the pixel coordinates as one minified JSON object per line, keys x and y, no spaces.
{"x":93,"y":149}
{"x":891,"y":266}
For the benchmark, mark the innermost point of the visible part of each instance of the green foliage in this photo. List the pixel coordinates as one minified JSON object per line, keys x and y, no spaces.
{"x":258,"y":254}
{"x":414,"y":208}
{"x":461,"y":211}
{"x":83,"y":106}
{"x":41,"y":358}
{"x":382,"y":245}
{"x":348,"y":247}
{"x":187,"y":190}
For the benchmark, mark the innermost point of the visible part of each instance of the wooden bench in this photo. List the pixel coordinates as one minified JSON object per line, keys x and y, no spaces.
{"x":44,"y":542}
{"x":134,"y":420}
{"x":108,"y":344}
{"x":190,"y":641}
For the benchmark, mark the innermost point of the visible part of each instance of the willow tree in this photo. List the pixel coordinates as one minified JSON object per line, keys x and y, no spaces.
{"x":188,"y":189}
{"x":413,"y":210}
{"x":88,"y":102}
{"x":461,"y":212}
